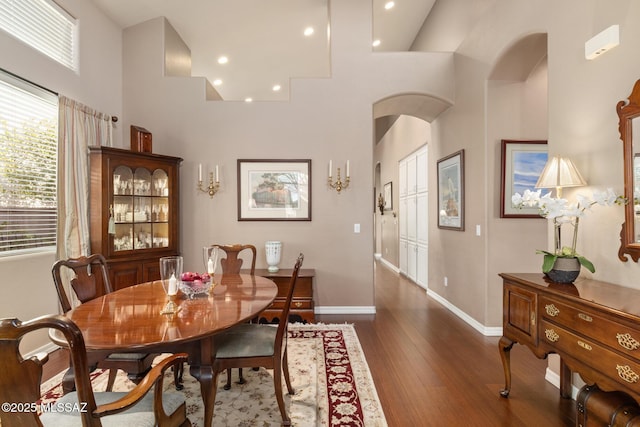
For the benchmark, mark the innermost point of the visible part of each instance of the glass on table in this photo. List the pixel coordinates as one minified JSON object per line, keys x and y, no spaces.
{"x":170,"y":275}
{"x":210,"y":259}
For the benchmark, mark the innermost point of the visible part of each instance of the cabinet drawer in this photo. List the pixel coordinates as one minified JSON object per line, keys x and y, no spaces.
{"x":303,"y":288}
{"x":613,"y":334}
{"x":624,"y":370}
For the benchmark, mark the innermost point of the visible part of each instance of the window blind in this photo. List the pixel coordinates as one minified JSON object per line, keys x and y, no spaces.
{"x":43,"y":25}
{"x":28,"y":165}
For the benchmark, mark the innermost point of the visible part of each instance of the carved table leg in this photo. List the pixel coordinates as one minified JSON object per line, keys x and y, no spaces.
{"x":202,"y":370}
{"x":505,"y":346}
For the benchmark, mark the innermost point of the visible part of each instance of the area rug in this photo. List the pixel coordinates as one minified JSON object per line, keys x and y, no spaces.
{"x":332,"y":382}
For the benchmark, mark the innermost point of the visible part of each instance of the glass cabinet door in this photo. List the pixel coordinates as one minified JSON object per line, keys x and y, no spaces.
{"x":140,"y":209}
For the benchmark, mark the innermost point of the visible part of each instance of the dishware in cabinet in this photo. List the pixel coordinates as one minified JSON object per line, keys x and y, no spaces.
{"x":133,"y":211}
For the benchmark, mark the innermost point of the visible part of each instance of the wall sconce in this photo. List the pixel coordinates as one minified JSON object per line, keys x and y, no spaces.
{"x":381,"y":204}
{"x":213,"y":187}
{"x":338,"y":185}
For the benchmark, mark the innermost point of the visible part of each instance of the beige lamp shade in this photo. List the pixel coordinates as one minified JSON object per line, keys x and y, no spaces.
{"x":560,"y":172}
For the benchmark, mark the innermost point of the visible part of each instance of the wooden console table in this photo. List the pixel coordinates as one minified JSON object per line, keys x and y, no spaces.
{"x":302,"y":303}
{"x":594,"y":326}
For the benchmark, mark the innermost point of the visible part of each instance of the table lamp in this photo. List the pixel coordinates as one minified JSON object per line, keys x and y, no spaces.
{"x":560,"y":172}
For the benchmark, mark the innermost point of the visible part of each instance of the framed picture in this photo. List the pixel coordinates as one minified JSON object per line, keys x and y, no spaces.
{"x":274,"y":190}
{"x":451,"y":192}
{"x":388,"y":196}
{"x":522,"y":164}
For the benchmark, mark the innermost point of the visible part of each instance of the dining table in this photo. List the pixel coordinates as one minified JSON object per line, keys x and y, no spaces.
{"x":130,"y":320}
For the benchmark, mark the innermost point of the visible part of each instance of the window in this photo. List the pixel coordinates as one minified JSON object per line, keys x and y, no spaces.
{"x":28,"y":164}
{"x":44,"y":26}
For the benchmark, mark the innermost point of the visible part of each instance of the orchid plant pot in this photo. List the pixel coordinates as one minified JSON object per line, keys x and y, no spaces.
{"x":565,"y":270}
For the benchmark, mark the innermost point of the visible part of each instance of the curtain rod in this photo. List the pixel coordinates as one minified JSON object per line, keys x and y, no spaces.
{"x":30,"y":82}
{"x":114,"y":119}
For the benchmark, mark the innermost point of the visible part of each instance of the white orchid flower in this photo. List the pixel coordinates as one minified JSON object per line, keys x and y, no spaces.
{"x":531,"y":198}
{"x":605,"y":198}
{"x":562,"y":212}
{"x":574,"y":210}
{"x":553,"y":207}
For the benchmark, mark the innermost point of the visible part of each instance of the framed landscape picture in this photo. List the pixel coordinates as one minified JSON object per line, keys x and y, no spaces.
{"x":274,"y":190}
{"x":522,"y":164}
{"x":451,"y":192}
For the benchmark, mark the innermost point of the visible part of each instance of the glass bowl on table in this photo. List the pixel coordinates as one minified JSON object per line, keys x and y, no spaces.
{"x":195,"y":284}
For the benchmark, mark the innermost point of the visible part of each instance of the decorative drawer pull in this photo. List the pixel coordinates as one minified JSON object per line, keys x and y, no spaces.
{"x":551,"y":335}
{"x":627,"y":341}
{"x":627,"y":374}
{"x":585,"y":317}
{"x":585,"y":345}
{"x":551,"y":310}
{"x":298,"y":304}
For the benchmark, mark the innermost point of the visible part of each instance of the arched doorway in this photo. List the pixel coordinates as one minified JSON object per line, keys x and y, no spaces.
{"x":402,"y":128}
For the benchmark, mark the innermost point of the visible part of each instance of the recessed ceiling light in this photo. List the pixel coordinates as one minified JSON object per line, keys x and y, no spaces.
{"x":217,"y":82}
{"x":308,"y":31}
{"x":376,"y":43}
{"x":276,"y":88}
{"x":248,"y":100}
{"x":388,"y":5}
{"x":223,"y":60}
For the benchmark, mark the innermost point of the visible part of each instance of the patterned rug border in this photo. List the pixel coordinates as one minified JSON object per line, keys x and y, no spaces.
{"x":369,"y":402}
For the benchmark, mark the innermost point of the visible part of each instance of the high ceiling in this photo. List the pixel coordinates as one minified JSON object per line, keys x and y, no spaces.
{"x":264,"y":40}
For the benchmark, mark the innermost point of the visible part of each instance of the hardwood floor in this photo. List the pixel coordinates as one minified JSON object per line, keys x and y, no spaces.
{"x":432,"y":369}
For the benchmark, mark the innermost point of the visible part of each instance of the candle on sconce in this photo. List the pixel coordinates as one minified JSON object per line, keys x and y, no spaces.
{"x":347,"y":168}
{"x":217,"y":176}
{"x":200,"y":172}
{"x":330,"y":168}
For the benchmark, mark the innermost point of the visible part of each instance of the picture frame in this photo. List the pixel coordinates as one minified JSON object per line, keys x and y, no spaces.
{"x":522,"y":163}
{"x":388,"y":196}
{"x":451,"y":192}
{"x":274,"y":190}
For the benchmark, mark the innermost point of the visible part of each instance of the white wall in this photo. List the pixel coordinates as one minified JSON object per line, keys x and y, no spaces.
{"x":27,"y":290}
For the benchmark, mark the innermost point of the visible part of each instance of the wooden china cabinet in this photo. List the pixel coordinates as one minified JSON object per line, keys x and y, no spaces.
{"x":134,"y":212}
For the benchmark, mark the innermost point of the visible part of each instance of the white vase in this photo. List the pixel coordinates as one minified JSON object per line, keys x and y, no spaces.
{"x":273,"y":249}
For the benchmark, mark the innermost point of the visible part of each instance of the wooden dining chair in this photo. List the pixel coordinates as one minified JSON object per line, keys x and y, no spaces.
{"x":254,"y":344}
{"x":232,"y":264}
{"x":20,"y":386}
{"x":86,"y":287}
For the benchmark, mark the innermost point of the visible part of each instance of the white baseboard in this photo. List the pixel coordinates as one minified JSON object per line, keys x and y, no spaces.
{"x":47,"y":348}
{"x":359,"y":309}
{"x":389,"y":265}
{"x":495,"y":331}
{"x":554,"y":379}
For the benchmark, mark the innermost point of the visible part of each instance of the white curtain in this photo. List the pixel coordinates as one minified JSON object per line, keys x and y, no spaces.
{"x":79,"y":128}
